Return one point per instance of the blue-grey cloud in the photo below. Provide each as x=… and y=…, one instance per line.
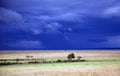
x=112, y=41
x=65, y=24
x=9, y=17
x=112, y=11
x=42, y=28
x=24, y=44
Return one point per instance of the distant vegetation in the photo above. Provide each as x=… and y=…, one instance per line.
x=31, y=60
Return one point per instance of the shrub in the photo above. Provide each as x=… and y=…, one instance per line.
x=83, y=60
x=33, y=62
x=59, y=60
x=71, y=56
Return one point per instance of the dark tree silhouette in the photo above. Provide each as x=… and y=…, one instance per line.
x=71, y=56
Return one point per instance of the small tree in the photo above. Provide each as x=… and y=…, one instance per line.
x=79, y=57
x=71, y=56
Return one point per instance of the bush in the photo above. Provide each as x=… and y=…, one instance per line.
x=33, y=62
x=83, y=60
x=71, y=56
x=59, y=60
x=65, y=61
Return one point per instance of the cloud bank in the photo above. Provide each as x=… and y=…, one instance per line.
x=9, y=17
x=62, y=24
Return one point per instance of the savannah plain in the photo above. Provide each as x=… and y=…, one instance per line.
x=97, y=63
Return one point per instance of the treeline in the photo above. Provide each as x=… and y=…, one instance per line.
x=32, y=60
x=19, y=59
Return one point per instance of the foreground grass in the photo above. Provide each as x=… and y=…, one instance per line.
x=62, y=64
x=55, y=59
x=111, y=59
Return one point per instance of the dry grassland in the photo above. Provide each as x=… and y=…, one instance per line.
x=109, y=70
x=103, y=70
x=58, y=54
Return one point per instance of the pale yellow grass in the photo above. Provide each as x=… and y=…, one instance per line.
x=58, y=54
x=108, y=70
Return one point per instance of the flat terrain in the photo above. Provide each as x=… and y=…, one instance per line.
x=108, y=70
x=59, y=54
x=107, y=63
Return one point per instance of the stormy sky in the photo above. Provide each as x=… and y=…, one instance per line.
x=59, y=24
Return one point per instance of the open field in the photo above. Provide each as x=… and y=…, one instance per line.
x=108, y=70
x=105, y=63
x=59, y=54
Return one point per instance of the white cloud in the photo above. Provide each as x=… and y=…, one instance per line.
x=9, y=17
x=52, y=28
x=112, y=11
x=69, y=17
x=62, y=17
x=42, y=28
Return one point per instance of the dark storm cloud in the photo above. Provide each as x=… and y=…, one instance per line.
x=61, y=24
x=9, y=17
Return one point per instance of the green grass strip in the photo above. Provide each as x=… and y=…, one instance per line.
x=62, y=64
